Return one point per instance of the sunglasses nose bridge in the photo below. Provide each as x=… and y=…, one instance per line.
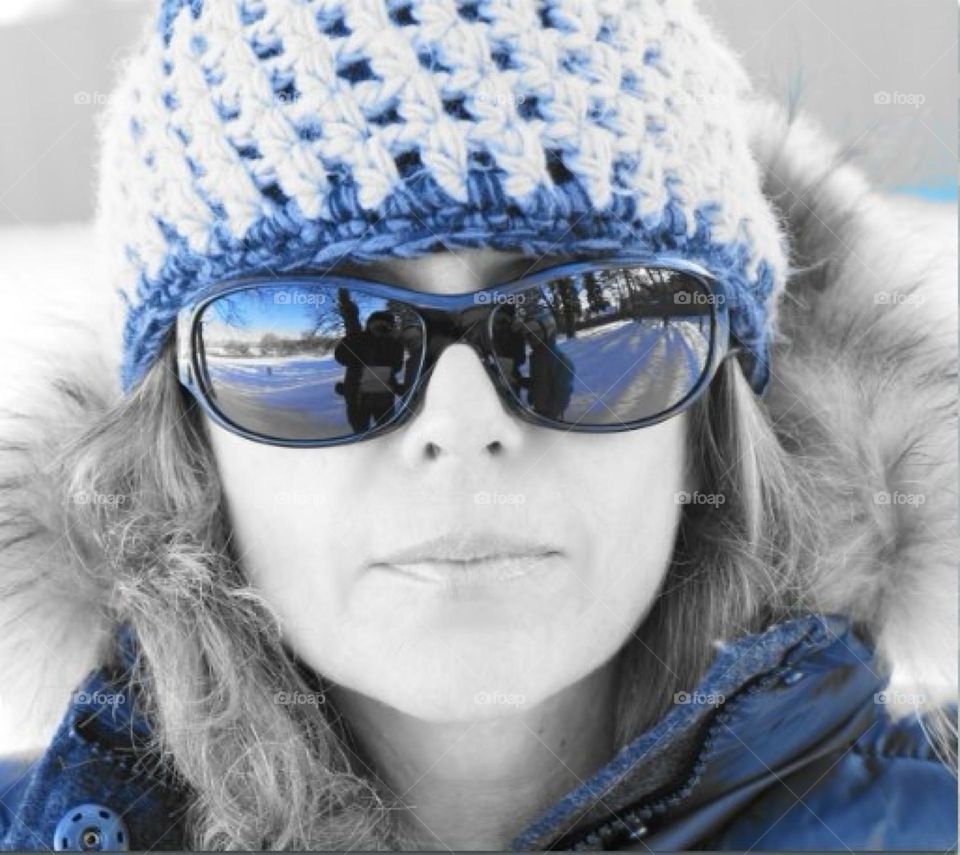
x=467, y=327
x=452, y=407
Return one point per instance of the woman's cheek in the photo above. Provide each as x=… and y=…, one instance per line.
x=294, y=526
x=630, y=497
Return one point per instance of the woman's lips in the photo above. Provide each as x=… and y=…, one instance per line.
x=494, y=569
x=465, y=559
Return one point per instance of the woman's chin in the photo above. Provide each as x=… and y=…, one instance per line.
x=459, y=679
x=488, y=607
x=451, y=660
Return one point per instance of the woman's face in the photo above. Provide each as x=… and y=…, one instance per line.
x=337, y=539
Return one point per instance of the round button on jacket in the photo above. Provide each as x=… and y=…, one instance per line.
x=793, y=677
x=90, y=828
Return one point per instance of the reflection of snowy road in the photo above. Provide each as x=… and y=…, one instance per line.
x=638, y=368
x=297, y=394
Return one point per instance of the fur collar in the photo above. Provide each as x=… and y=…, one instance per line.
x=863, y=388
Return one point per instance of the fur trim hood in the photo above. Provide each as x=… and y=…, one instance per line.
x=863, y=390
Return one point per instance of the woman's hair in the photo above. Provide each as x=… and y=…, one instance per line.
x=270, y=775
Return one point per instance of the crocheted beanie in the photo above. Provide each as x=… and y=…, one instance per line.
x=270, y=135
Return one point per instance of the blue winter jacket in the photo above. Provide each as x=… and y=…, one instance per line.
x=786, y=744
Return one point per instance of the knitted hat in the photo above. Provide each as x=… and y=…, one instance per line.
x=269, y=135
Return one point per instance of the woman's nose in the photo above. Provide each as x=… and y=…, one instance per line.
x=462, y=417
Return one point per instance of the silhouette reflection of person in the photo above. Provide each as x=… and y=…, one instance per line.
x=509, y=346
x=550, y=383
x=372, y=358
x=411, y=338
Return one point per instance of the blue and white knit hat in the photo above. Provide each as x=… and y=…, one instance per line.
x=271, y=135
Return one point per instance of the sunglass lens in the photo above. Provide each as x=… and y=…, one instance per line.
x=607, y=347
x=308, y=363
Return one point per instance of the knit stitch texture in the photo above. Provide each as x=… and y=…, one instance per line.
x=255, y=136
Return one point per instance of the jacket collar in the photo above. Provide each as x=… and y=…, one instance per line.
x=744, y=721
x=747, y=722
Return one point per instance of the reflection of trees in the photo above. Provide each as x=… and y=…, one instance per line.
x=593, y=286
x=563, y=298
x=327, y=323
x=343, y=319
x=326, y=320
x=323, y=326
x=242, y=312
x=349, y=312
x=602, y=296
x=227, y=310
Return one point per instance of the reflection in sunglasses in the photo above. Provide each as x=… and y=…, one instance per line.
x=605, y=347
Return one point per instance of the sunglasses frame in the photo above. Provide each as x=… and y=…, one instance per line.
x=191, y=376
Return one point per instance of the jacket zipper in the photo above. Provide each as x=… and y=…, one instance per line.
x=631, y=825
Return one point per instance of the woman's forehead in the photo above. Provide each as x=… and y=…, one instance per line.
x=451, y=271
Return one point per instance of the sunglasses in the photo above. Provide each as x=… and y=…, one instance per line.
x=315, y=360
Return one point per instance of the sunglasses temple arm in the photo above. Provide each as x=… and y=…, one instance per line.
x=740, y=352
x=184, y=366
